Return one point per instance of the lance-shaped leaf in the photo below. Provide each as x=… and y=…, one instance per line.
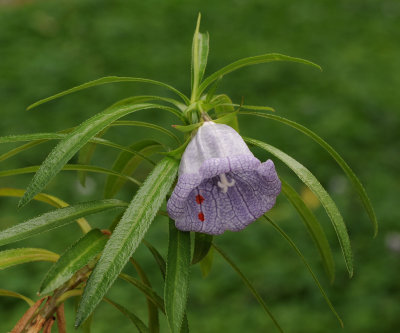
x=177, y=277
x=200, y=48
x=74, y=141
x=56, y=218
x=313, y=227
x=127, y=163
x=250, y=61
x=314, y=185
x=127, y=235
x=157, y=128
x=75, y=257
x=8, y=293
x=134, y=318
x=293, y=245
x=339, y=160
x=154, y=324
x=47, y=198
x=249, y=285
x=202, y=244
x=105, y=80
x=163, y=269
x=224, y=108
x=14, y=257
x=69, y=167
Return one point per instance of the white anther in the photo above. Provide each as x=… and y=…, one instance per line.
x=224, y=183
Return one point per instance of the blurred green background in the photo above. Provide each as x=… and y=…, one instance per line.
x=49, y=46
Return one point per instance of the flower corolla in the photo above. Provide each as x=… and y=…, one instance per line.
x=221, y=185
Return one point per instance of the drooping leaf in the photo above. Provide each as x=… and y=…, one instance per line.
x=20, y=149
x=339, y=160
x=69, y=167
x=330, y=207
x=154, y=325
x=42, y=137
x=293, y=245
x=56, y=218
x=47, y=198
x=158, y=258
x=148, y=125
x=146, y=290
x=202, y=244
x=74, y=141
x=75, y=257
x=313, y=227
x=105, y=80
x=127, y=163
x=249, y=285
x=177, y=277
x=250, y=61
x=127, y=235
x=206, y=263
x=85, y=156
x=140, y=325
x=163, y=268
x=8, y=293
x=200, y=47
x=14, y=257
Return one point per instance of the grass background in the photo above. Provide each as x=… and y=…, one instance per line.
x=48, y=46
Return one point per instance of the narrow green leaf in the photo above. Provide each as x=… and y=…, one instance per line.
x=14, y=257
x=75, y=257
x=20, y=149
x=128, y=235
x=187, y=128
x=47, y=198
x=224, y=109
x=313, y=227
x=249, y=107
x=59, y=136
x=130, y=315
x=85, y=156
x=146, y=290
x=339, y=160
x=126, y=164
x=202, y=244
x=248, y=285
x=250, y=61
x=227, y=118
x=55, y=219
x=330, y=207
x=147, y=125
x=163, y=268
x=69, y=167
x=293, y=245
x=177, y=277
x=178, y=152
x=158, y=258
x=206, y=263
x=105, y=80
x=74, y=141
x=154, y=325
x=7, y=293
x=200, y=47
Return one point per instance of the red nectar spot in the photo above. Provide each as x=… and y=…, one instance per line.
x=201, y=217
x=199, y=199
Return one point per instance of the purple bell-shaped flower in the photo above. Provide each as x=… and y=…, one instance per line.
x=221, y=185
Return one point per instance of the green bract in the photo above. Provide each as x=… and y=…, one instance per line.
x=89, y=267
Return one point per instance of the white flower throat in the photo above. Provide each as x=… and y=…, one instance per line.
x=224, y=183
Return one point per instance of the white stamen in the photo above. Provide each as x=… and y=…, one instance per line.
x=224, y=183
